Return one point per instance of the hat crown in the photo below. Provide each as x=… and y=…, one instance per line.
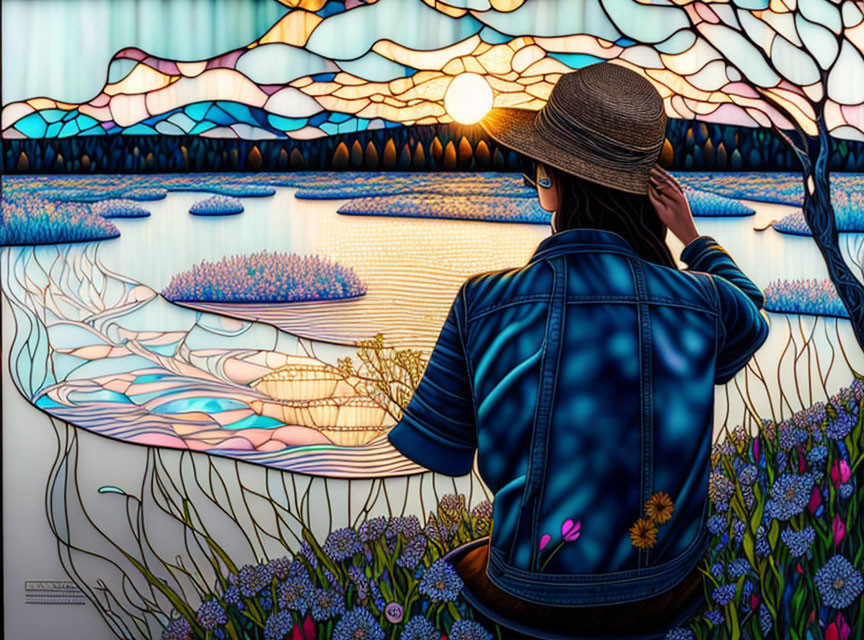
x=603, y=123
x=612, y=101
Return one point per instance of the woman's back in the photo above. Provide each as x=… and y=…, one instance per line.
x=585, y=380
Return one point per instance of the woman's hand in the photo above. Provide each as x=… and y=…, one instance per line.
x=671, y=205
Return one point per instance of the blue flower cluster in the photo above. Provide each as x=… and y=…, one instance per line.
x=342, y=544
x=440, y=582
x=278, y=626
x=839, y=583
x=419, y=628
x=789, y=495
x=358, y=624
x=211, y=615
x=798, y=542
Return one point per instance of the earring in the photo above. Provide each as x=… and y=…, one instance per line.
x=543, y=179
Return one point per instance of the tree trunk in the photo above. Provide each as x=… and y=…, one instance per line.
x=819, y=215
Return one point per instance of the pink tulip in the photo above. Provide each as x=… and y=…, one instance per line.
x=838, y=529
x=754, y=601
x=544, y=541
x=831, y=632
x=801, y=463
x=843, y=628
x=840, y=472
x=306, y=632
x=815, y=500
x=571, y=531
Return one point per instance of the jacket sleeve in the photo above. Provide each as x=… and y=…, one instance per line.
x=438, y=429
x=743, y=322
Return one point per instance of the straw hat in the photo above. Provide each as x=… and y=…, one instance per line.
x=603, y=123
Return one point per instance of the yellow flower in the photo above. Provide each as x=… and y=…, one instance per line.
x=643, y=534
x=659, y=507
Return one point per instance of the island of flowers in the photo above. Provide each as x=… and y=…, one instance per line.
x=811, y=296
x=118, y=208
x=361, y=185
x=848, y=210
x=265, y=277
x=425, y=205
x=216, y=206
x=778, y=188
x=706, y=204
x=29, y=220
x=146, y=193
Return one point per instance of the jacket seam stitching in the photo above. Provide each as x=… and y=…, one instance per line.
x=659, y=301
x=526, y=489
x=469, y=368
x=560, y=309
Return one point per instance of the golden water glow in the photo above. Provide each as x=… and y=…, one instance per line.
x=468, y=98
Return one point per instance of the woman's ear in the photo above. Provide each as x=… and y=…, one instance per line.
x=548, y=188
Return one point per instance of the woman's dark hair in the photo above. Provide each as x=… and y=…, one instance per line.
x=587, y=204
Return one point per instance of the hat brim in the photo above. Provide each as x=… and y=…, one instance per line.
x=515, y=129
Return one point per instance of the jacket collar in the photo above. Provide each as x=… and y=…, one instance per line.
x=574, y=240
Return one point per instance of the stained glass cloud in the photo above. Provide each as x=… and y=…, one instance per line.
x=325, y=68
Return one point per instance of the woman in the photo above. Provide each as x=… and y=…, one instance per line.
x=584, y=380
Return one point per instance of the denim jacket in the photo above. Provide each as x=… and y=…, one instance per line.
x=584, y=380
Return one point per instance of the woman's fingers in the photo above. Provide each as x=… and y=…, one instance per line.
x=665, y=179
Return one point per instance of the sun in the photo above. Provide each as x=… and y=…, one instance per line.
x=468, y=98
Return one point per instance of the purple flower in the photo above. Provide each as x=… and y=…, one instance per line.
x=394, y=612
x=373, y=529
x=253, y=579
x=679, y=633
x=309, y=554
x=748, y=474
x=739, y=528
x=358, y=624
x=278, y=626
x=738, y=567
x=280, y=567
x=419, y=628
x=838, y=582
x=468, y=630
x=720, y=488
x=231, y=595
x=791, y=436
x=723, y=594
x=789, y=496
x=412, y=552
x=440, y=582
x=798, y=542
x=840, y=427
x=571, y=531
x=211, y=614
x=326, y=604
x=342, y=544
x=406, y=526
x=715, y=617
x=765, y=619
x=716, y=525
x=177, y=629
x=817, y=455
x=295, y=593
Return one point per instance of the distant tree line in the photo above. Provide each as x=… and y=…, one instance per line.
x=690, y=145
